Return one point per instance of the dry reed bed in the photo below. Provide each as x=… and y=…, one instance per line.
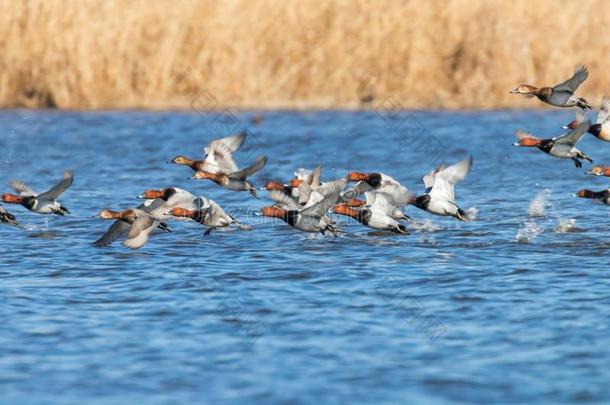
x=295, y=53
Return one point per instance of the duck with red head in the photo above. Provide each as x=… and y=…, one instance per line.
x=161, y=201
x=235, y=180
x=209, y=213
x=313, y=218
x=218, y=155
x=561, y=95
x=439, y=198
x=374, y=216
x=600, y=171
x=137, y=224
x=564, y=146
x=603, y=196
x=601, y=128
x=397, y=195
x=40, y=203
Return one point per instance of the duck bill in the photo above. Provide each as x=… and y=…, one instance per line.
x=11, y=198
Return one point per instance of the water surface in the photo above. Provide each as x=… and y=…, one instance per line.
x=511, y=307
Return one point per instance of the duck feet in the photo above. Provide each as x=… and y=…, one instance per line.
x=577, y=163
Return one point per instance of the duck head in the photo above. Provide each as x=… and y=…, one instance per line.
x=525, y=89
x=183, y=213
x=344, y=209
x=528, y=142
x=12, y=198
x=274, y=185
x=372, y=179
x=295, y=183
x=599, y=171
x=181, y=160
x=164, y=194
x=584, y=193
x=108, y=214
x=273, y=212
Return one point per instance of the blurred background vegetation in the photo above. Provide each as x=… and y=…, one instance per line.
x=296, y=53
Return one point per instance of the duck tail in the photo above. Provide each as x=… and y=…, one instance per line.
x=164, y=227
x=462, y=215
x=584, y=104
x=8, y=218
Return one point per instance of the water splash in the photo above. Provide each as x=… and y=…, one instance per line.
x=539, y=205
x=528, y=232
x=472, y=213
x=425, y=226
x=566, y=225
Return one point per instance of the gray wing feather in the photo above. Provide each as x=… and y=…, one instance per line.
x=570, y=85
x=261, y=161
x=59, y=188
x=116, y=230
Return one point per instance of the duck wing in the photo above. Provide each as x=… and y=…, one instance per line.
x=140, y=230
x=377, y=200
x=285, y=201
x=219, y=159
x=580, y=75
x=604, y=112
x=261, y=161
x=582, y=126
x=429, y=178
x=231, y=143
x=331, y=191
x=54, y=193
x=445, y=180
x=22, y=189
x=116, y=230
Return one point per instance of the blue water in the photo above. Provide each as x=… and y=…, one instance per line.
x=508, y=308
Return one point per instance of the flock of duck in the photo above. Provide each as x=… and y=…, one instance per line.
x=376, y=200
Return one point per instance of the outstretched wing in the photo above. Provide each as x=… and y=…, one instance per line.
x=429, y=178
x=231, y=143
x=261, y=161
x=116, y=230
x=54, y=193
x=284, y=201
x=570, y=85
x=582, y=126
x=445, y=180
x=331, y=191
x=22, y=189
x=219, y=159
